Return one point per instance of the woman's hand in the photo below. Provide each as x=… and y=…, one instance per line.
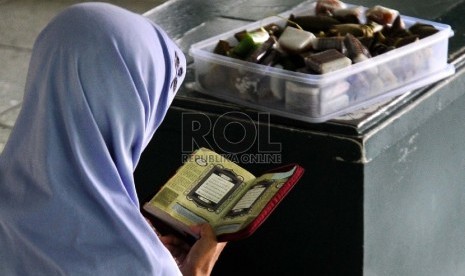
x=201, y=257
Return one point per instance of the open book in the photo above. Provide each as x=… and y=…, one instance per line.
x=208, y=188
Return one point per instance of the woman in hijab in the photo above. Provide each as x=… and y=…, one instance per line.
x=99, y=84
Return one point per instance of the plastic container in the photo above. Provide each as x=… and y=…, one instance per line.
x=318, y=98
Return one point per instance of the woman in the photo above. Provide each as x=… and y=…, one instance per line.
x=99, y=84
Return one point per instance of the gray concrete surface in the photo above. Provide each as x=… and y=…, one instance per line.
x=20, y=23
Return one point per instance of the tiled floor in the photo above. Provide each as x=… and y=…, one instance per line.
x=20, y=23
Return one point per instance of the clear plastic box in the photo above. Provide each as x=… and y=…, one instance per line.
x=318, y=98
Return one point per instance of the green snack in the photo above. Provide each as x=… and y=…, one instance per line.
x=249, y=41
x=244, y=47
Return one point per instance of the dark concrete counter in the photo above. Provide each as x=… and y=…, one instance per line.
x=384, y=190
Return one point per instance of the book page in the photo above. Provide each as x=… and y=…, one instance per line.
x=252, y=201
x=202, y=190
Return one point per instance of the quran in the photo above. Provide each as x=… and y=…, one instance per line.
x=209, y=188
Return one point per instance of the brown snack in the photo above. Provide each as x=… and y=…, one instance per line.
x=295, y=40
x=381, y=15
x=222, y=48
x=327, y=7
x=423, y=30
x=355, y=49
x=327, y=61
x=406, y=40
x=261, y=51
x=349, y=15
x=271, y=58
x=313, y=23
x=397, y=29
x=326, y=43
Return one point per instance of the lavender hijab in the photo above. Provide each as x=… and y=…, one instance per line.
x=100, y=82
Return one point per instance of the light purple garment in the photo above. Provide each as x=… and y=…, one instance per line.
x=100, y=82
